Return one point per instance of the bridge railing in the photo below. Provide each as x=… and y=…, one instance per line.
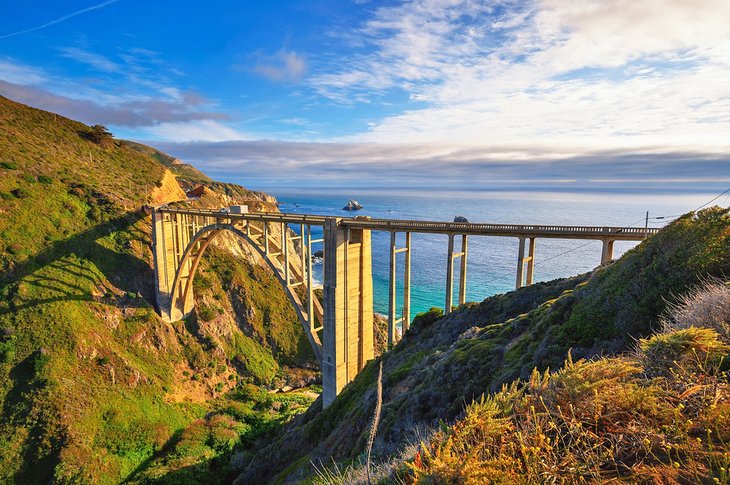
x=634, y=233
x=496, y=229
x=253, y=216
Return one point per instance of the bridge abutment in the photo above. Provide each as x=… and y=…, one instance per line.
x=167, y=249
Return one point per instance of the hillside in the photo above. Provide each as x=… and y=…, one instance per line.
x=445, y=363
x=179, y=168
x=94, y=387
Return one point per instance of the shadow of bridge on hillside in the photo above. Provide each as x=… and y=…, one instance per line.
x=76, y=268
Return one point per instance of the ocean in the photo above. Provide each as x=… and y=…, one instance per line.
x=492, y=261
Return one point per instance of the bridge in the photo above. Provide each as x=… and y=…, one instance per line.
x=340, y=326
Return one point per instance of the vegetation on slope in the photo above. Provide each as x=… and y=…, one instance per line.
x=182, y=170
x=661, y=415
x=443, y=363
x=94, y=387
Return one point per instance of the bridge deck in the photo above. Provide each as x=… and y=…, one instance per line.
x=435, y=227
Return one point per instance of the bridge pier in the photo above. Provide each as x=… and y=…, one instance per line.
x=449, y=304
x=347, y=342
x=607, y=251
x=405, y=318
x=522, y=260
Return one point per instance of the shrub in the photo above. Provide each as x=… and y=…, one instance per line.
x=9, y=165
x=40, y=361
x=707, y=305
x=426, y=319
x=688, y=350
x=20, y=193
x=45, y=179
x=206, y=313
x=15, y=249
x=7, y=348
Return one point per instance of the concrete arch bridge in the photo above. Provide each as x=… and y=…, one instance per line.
x=340, y=327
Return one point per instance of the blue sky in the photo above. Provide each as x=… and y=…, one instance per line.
x=461, y=93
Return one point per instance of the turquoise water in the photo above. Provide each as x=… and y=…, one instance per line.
x=492, y=261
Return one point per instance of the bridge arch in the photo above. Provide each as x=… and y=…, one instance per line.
x=182, y=302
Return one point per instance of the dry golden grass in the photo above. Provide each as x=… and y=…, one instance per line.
x=596, y=422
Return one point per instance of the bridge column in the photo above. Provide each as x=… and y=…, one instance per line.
x=531, y=262
x=520, y=264
x=407, y=287
x=462, y=270
x=348, y=306
x=392, y=299
x=449, y=277
x=607, y=251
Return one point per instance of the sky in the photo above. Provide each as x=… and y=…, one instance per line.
x=430, y=93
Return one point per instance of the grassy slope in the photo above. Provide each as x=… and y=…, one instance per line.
x=445, y=362
x=93, y=386
x=659, y=415
x=183, y=170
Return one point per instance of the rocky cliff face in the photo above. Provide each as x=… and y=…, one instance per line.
x=168, y=191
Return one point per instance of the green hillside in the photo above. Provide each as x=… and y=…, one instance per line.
x=94, y=388
x=445, y=363
x=182, y=170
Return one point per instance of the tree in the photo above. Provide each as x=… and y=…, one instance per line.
x=101, y=136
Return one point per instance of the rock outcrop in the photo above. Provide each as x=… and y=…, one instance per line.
x=352, y=205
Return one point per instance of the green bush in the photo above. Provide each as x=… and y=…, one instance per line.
x=206, y=313
x=45, y=179
x=41, y=361
x=20, y=193
x=7, y=348
x=9, y=165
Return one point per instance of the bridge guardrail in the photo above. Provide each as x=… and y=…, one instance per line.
x=405, y=225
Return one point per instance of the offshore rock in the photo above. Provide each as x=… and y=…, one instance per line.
x=352, y=205
x=460, y=219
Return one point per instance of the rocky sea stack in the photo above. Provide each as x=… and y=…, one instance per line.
x=352, y=205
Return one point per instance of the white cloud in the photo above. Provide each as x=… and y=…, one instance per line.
x=92, y=59
x=13, y=72
x=573, y=75
x=398, y=164
x=194, y=131
x=283, y=66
